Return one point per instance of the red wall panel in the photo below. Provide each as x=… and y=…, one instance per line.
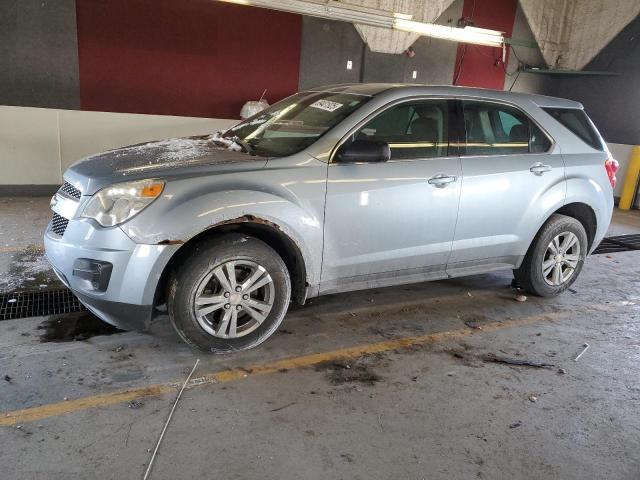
x=192, y=57
x=478, y=66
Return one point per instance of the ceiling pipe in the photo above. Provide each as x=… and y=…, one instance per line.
x=333, y=10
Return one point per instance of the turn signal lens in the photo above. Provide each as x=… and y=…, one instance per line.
x=152, y=191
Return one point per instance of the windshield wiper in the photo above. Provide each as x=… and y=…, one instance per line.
x=245, y=145
x=233, y=143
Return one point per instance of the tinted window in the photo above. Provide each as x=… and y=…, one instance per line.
x=578, y=122
x=539, y=143
x=295, y=122
x=494, y=129
x=412, y=130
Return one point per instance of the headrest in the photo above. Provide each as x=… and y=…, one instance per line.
x=424, y=128
x=519, y=133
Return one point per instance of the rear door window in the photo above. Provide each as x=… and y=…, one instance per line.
x=495, y=129
x=578, y=122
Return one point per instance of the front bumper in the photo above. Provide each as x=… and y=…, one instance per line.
x=127, y=299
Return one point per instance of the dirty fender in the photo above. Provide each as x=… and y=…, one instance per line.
x=183, y=213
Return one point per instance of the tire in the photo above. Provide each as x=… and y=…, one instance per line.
x=202, y=301
x=538, y=279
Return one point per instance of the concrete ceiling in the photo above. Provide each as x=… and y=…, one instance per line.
x=390, y=41
x=570, y=33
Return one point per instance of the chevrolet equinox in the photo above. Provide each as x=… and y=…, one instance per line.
x=333, y=189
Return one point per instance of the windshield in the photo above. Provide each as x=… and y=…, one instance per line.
x=294, y=123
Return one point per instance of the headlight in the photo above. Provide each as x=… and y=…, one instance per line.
x=118, y=203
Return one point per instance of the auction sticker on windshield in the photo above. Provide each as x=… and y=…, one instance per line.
x=327, y=105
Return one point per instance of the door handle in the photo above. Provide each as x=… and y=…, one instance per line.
x=539, y=168
x=441, y=180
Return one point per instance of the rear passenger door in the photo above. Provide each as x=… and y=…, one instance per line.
x=511, y=169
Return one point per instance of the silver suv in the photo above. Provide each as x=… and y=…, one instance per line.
x=335, y=189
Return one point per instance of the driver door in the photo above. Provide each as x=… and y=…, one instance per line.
x=393, y=222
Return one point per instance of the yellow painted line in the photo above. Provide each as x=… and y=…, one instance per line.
x=51, y=410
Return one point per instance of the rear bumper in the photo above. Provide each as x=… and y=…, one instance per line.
x=126, y=301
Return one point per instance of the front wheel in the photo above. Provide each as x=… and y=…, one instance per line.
x=230, y=294
x=555, y=258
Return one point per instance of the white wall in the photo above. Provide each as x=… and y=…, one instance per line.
x=37, y=144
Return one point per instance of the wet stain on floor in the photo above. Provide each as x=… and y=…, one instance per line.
x=74, y=327
x=358, y=371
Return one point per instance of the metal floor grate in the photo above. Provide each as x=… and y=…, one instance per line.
x=620, y=243
x=38, y=304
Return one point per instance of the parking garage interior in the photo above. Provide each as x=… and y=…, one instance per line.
x=457, y=378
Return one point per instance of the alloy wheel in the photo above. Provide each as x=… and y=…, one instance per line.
x=234, y=299
x=561, y=259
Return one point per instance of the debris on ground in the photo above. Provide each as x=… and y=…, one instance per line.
x=562, y=371
x=118, y=348
x=584, y=349
x=466, y=358
x=135, y=404
x=520, y=298
x=7, y=378
x=473, y=325
x=283, y=407
x=166, y=425
x=340, y=372
x=533, y=398
x=515, y=424
x=348, y=457
x=473, y=321
x=491, y=357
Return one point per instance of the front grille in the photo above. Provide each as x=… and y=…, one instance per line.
x=59, y=224
x=38, y=304
x=70, y=190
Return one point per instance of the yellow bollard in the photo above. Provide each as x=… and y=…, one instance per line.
x=630, y=180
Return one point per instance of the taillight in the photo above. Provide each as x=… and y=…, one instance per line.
x=611, y=166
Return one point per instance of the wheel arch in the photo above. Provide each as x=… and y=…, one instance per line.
x=584, y=214
x=264, y=230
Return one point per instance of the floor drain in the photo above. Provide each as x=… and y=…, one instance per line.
x=620, y=243
x=38, y=304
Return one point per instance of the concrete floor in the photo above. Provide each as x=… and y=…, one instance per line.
x=418, y=396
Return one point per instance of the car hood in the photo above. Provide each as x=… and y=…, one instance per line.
x=166, y=159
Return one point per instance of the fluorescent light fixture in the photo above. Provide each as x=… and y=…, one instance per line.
x=477, y=36
x=334, y=10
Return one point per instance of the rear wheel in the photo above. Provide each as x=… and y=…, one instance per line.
x=555, y=258
x=230, y=294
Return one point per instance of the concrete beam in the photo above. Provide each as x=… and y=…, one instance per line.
x=571, y=33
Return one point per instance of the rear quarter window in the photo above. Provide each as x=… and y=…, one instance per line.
x=578, y=122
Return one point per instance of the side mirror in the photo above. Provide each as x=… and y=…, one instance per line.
x=367, y=151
